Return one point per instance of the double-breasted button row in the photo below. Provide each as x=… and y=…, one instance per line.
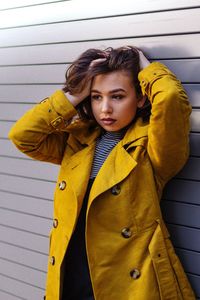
x=135, y=274
x=116, y=190
x=55, y=223
x=62, y=185
x=126, y=232
x=52, y=260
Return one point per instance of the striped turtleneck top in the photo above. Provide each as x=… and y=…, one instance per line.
x=105, y=143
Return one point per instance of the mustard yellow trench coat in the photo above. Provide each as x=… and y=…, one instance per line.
x=129, y=251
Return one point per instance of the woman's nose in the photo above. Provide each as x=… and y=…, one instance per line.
x=105, y=106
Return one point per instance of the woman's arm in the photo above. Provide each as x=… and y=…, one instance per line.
x=168, y=142
x=40, y=133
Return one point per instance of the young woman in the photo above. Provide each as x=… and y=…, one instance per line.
x=109, y=241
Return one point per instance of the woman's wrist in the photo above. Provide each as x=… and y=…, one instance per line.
x=144, y=62
x=74, y=99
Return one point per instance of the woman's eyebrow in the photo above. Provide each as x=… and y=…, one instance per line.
x=117, y=90
x=112, y=91
x=95, y=91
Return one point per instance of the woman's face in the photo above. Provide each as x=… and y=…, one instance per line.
x=114, y=101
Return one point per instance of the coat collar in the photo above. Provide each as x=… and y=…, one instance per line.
x=86, y=132
x=136, y=131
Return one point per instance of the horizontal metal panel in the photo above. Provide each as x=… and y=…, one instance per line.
x=190, y=260
x=24, y=257
x=18, y=3
x=185, y=237
x=191, y=170
x=183, y=191
x=195, y=282
x=13, y=112
x=70, y=10
x=22, y=221
x=29, y=205
x=26, y=93
x=195, y=144
x=8, y=295
x=29, y=168
x=193, y=91
x=23, y=273
x=5, y=128
x=27, y=240
x=22, y=291
x=187, y=70
x=7, y=149
x=181, y=213
x=48, y=74
x=31, y=187
x=117, y=27
x=195, y=120
x=155, y=48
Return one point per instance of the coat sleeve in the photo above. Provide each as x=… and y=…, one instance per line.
x=40, y=133
x=168, y=134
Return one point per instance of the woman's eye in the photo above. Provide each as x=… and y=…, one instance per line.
x=117, y=97
x=95, y=97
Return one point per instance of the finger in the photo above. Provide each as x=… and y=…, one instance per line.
x=96, y=61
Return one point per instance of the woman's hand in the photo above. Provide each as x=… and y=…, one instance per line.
x=78, y=98
x=144, y=62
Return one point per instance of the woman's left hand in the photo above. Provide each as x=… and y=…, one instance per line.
x=144, y=62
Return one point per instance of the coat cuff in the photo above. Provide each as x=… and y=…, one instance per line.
x=149, y=74
x=61, y=109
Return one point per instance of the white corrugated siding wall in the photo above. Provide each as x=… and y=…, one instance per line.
x=38, y=39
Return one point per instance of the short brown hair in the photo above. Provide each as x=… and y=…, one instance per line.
x=123, y=58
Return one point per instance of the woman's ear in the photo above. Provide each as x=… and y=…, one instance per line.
x=141, y=101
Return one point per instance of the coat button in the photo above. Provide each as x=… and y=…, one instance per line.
x=52, y=260
x=57, y=122
x=62, y=185
x=116, y=190
x=135, y=273
x=126, y=233
x=55, y=223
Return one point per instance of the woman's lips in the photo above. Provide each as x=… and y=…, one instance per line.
x=108, y=121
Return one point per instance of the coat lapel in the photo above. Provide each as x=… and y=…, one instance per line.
x=119, y=163
x=117, y=166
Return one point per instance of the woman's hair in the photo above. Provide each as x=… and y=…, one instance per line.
x=81, y=71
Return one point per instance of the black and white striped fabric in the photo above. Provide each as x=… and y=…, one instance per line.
x=104, y=145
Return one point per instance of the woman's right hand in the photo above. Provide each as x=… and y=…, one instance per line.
x=78, y=98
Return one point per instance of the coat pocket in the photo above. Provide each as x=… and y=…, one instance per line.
x=182, y=280
x=162, y=267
